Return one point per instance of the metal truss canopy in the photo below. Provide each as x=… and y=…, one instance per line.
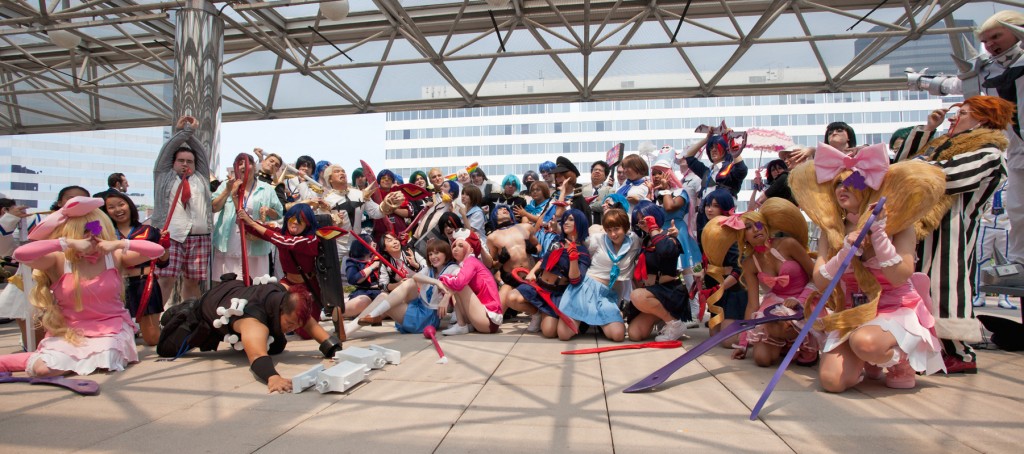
x=284, y=59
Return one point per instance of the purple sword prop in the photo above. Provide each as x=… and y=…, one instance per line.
x=659, y=376
x=817, y=311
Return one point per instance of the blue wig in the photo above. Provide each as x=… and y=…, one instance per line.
x=717, y=141
x=388, y=173
x=725, y=201
x=547, y=166
x=305, y=214
x=619, y=200
x=357, y=250
x=494, y=213
x=513, y=180
x=319, y=169
x=643, y=209
x=582, y=224
x=453, y=188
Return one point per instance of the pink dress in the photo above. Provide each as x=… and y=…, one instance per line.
x=903, y=313
x=105, y=328
x=479, y=279
x=791, y=282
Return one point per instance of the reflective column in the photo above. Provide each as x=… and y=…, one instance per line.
x=198, y=57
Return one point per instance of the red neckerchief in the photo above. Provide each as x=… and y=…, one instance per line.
x=553, y=258
x=640, y=270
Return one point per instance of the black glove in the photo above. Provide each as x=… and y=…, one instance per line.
x=330, y=346
x=504, y=256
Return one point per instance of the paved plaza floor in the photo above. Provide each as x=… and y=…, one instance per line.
x=511, y=392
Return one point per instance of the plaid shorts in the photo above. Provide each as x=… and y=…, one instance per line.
x=191, y=257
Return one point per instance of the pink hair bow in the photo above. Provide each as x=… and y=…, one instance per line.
x=869, y=165
x=733, y=220
x=76, y=207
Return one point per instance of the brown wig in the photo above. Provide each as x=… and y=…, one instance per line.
x=436, y=245
x=615, y=218
x=542, y=185
x=637, y=164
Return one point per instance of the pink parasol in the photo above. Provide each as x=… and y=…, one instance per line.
x=768, y=140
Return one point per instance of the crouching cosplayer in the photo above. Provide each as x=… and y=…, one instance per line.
x=254, y=319
x=879, y=320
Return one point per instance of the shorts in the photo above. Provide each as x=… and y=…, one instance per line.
x=507, y=278
x=190, y=259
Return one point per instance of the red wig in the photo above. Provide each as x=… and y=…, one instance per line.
x=992, y=111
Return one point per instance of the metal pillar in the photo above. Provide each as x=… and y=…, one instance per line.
x=198, y=76
x=198, y=72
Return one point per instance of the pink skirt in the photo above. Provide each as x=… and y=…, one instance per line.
x=113, y=352
x=760, y=334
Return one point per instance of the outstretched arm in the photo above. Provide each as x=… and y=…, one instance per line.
x=254, y=339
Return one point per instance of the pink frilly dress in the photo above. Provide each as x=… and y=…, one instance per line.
x=903, y=313
x=105, y=329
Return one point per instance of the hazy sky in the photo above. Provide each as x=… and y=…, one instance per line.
x=343, y=139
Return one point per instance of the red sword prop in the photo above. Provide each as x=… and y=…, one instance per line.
x=241, y=224
x=664, y=344
x=148, y=289
x=546, y=296
x=372, y=250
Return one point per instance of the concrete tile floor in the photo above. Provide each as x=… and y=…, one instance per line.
x=511, y=392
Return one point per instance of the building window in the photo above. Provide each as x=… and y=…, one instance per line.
x=15, y=186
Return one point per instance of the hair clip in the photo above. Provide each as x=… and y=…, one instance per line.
x=94, y=227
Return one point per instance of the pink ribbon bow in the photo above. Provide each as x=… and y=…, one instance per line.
x=733, y=220
x=870, y=162
x=772, y=281
x=76, y=207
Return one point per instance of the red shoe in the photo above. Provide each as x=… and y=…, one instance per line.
x=955, y=365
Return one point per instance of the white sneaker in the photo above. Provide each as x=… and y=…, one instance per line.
x=456, y=330
x=534, y=323
x=673, y=330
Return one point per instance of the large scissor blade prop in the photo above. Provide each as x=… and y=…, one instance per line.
x=80, y=386
x=378, y=195
x=659, y=376
x=405, y=236
x=663, y=344
x=816, y=312
x=371, y=178
x=546, y=296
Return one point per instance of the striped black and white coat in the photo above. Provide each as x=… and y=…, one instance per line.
x=946, y=255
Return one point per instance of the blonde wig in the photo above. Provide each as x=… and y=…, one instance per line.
x=52, y=318
x=716, y=240
x=908, y=186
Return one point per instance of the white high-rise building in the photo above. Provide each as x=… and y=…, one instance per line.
x=41, y=164
x=514, y=139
